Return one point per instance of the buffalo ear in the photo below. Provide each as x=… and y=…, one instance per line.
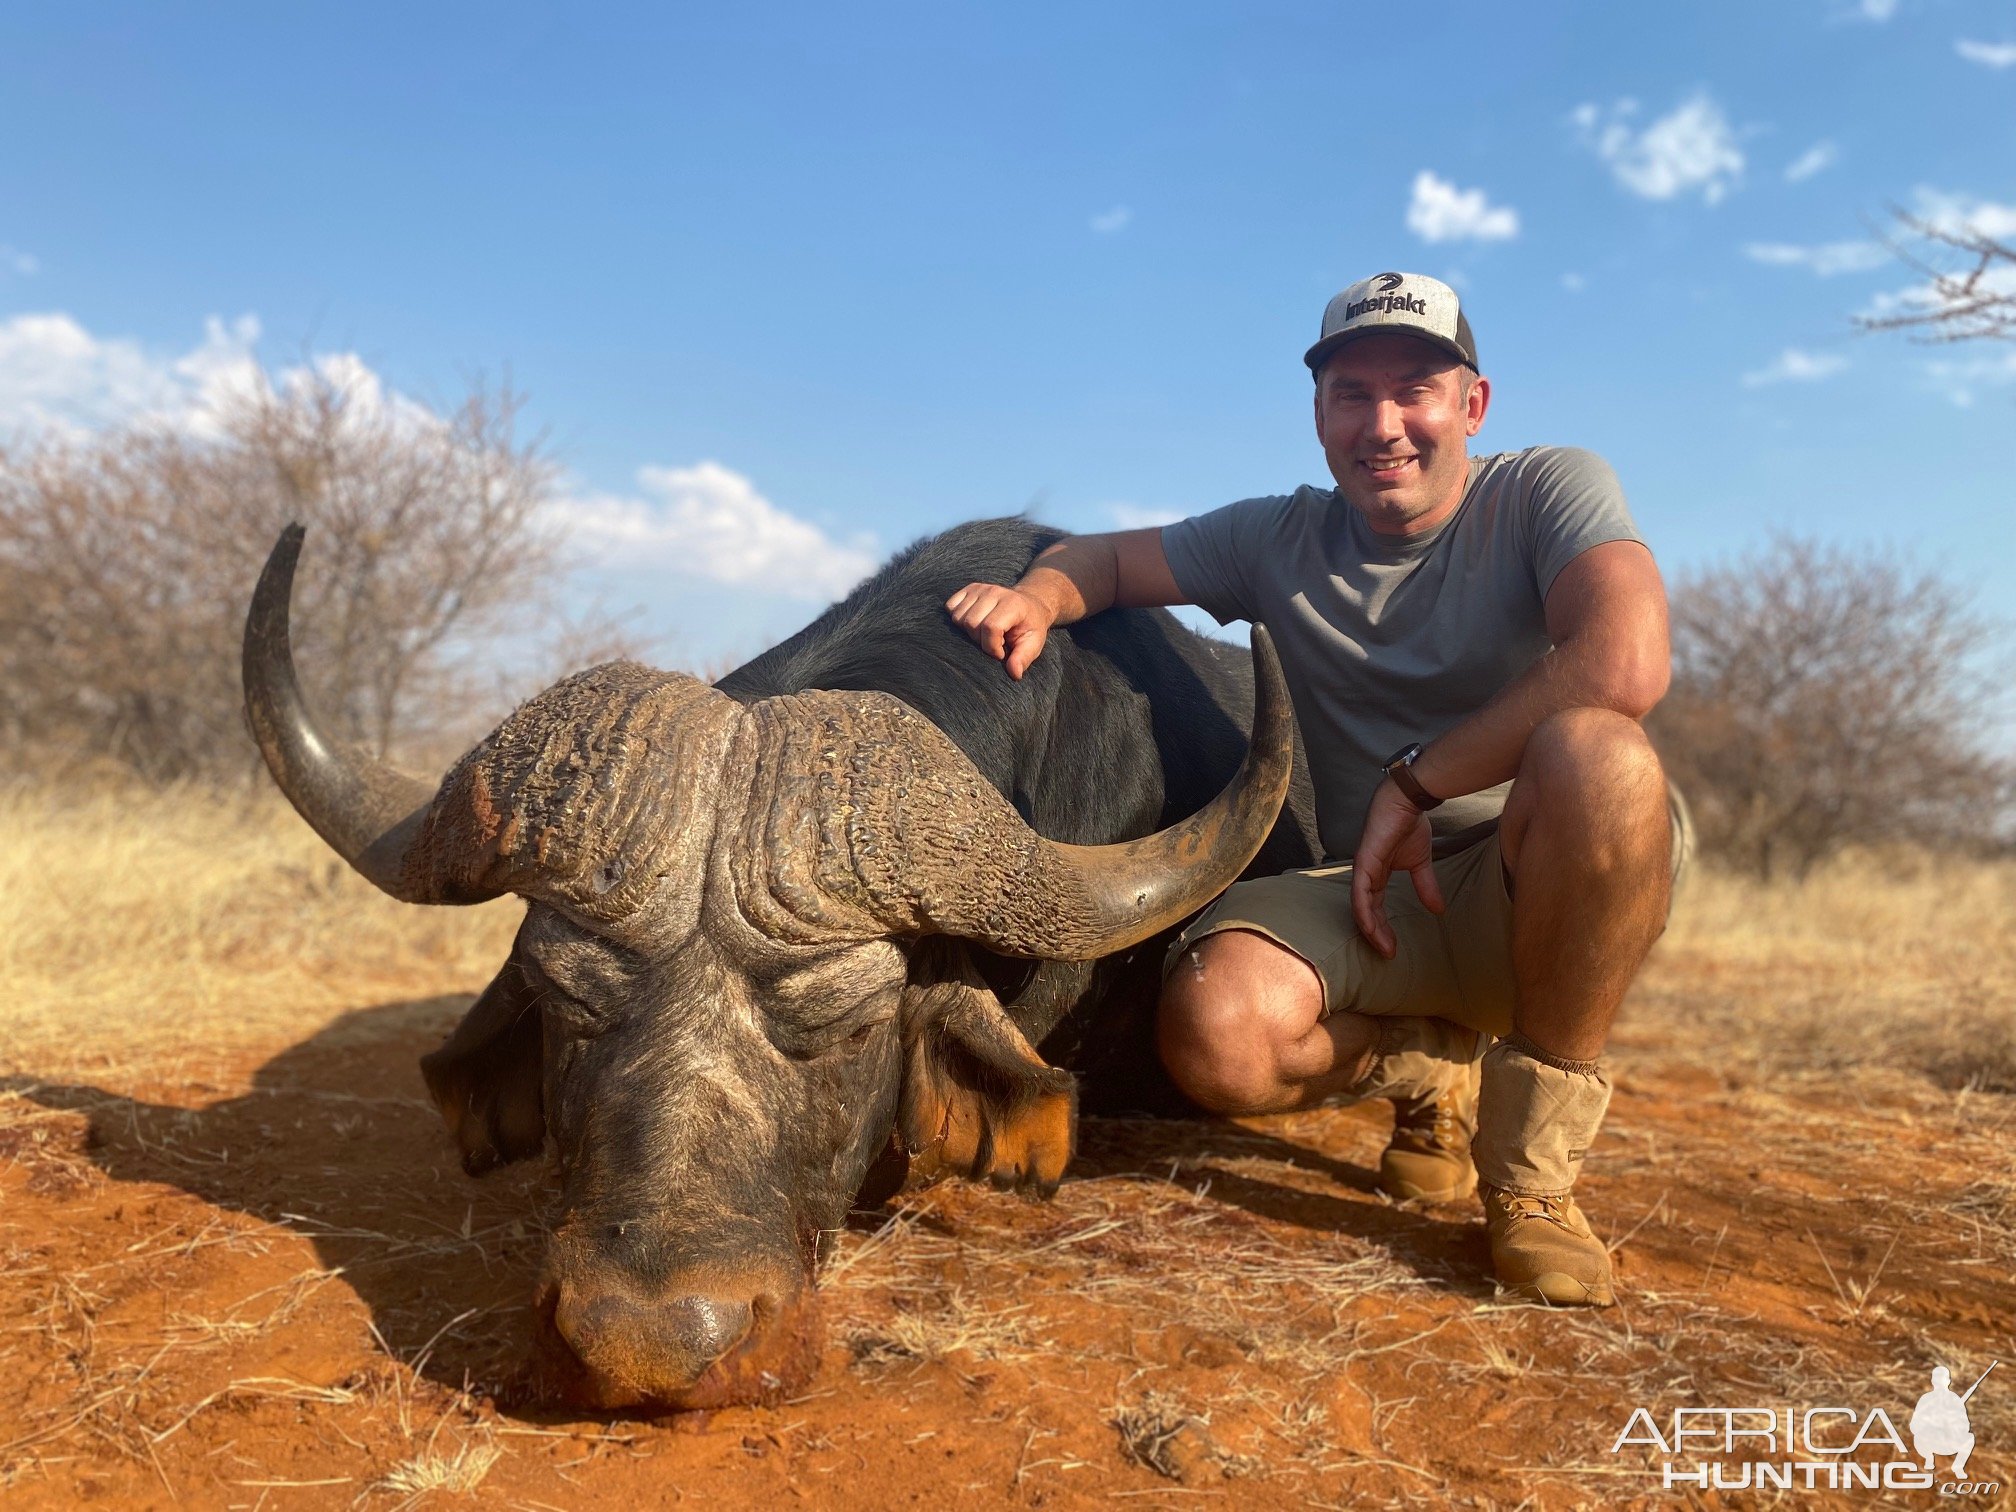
x=487, y=1079
x=977, y=1100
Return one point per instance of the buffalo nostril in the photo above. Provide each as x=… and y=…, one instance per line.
x=675, y=1337
x=702, y=1328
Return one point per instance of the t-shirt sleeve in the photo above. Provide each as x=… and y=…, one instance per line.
x=1574, y=501
x=1211, y=557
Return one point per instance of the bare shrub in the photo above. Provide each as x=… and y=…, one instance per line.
x=127, y=559
x=1970, y=288
x=1825, y=696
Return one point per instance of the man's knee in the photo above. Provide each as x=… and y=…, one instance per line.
x=1595, y=772
x=1582, y=750
x=1232, y=1004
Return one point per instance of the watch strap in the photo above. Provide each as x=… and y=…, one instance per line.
x=1400, y=767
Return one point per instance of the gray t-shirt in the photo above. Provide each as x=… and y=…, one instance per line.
x=1388, y=639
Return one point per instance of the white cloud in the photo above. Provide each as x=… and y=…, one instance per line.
x=706, y=520
x=1877, y=11
x=1109, y=221
x=1827, y=259
x=1988, y=54
x=1815, y=159
x=1795, y=366
x=1958, y=379
x=20, y=264
x=709, y=521
x=1140, y=517
x=1964, y=214
x=1441, y=212
x=1574, y=283
x=54, y=374
x=1691, y=150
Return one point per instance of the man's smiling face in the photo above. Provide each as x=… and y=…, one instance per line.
x=1393, y=413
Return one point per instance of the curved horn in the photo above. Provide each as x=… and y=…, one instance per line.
x=369, y=813
x=963, y=863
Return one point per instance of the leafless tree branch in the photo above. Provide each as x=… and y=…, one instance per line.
x=126, y=559
x=1970, y=282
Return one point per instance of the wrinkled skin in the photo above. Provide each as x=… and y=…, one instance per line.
x=771, y=1071
x=750, y=977
x=721, y=1063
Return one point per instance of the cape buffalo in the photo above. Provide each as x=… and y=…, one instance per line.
x=865, y=886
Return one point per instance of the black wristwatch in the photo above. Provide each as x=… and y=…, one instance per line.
x=1399, y=766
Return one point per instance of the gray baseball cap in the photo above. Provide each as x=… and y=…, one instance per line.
x=1411, y=304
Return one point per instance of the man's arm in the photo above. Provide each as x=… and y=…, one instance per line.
x=1606, y=614
x=1077, y=577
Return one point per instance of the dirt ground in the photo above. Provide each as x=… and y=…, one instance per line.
x=252, y=1275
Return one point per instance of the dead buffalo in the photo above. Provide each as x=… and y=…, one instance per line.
x=864, y=897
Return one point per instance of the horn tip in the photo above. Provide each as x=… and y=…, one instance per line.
x=1266, y=659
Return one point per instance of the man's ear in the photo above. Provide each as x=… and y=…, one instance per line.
x=487, y=1080
x=977, y=1100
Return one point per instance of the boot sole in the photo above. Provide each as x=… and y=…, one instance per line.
x=1558, y=1290
x=1407, y=1191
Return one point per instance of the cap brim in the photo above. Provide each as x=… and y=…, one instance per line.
x=1321, y=353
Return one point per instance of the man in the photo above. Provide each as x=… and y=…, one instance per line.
x=1470, y=644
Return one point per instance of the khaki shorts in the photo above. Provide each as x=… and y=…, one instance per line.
x=1456, y=965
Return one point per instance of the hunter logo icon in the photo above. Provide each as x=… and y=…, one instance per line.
x=1388, y=282
x=1939, y=1421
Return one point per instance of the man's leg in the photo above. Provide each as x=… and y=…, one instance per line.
x=1242, y=1031
x=1586, y=838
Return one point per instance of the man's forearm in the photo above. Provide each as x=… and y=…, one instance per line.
x=1077, y=577
x=1485, y=749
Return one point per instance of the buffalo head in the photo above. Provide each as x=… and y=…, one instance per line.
x=739, y=973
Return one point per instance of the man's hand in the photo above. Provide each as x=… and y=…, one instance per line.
x=1008, y=624
x=1078, y=576
x=1396, y=837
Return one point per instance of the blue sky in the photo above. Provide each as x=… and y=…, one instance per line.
x=790, y=285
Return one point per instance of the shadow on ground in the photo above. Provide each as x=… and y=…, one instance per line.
x=336, y=1141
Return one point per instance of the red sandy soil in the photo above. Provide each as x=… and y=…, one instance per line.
x=272, y=1288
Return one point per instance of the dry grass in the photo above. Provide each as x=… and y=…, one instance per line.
x=177, y=914
x=941, y=1324
x=139, y=924
x=1205, y=1301
x=458, y=1471
x=1108, y=1254
x=1892, y=958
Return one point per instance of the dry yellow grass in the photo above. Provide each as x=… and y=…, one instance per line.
x=1891, y=959
x=135, y=925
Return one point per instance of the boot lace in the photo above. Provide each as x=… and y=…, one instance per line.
x=1553, y=1210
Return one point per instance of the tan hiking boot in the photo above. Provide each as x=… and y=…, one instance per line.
x=1428, y=1157
x=1542, y=1248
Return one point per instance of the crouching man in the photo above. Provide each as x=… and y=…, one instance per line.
x=1470, y=643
